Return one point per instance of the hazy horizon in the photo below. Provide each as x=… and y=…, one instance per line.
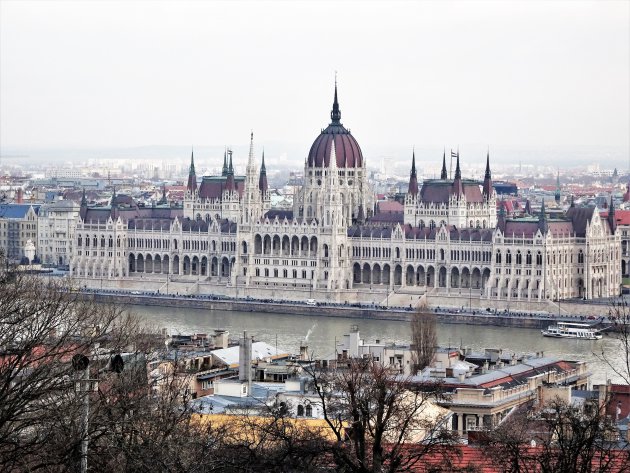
x=511, y=76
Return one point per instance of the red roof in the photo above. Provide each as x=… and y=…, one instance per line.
x=390, y=206
x=621, y=216
x=477, y=459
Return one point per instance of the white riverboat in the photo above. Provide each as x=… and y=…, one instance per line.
x=572, y=330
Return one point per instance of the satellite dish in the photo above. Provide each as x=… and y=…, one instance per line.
x=117, y=364
x=80, y=362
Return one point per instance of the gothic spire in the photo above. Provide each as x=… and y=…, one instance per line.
x=488, y=175
x=487, y=180
x=224, y=171
x=413, y=178
x=444, y=174
x=191, y=186
x=458, y=172
x=612, y=221
x=251, y=149
x=335, y=114
x=542, y=219
x=192, y=162
x=458, y=188
x=332, y=161
x=262, y=180
x=229, y=182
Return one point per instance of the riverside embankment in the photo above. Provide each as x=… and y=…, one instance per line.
x=449, y=316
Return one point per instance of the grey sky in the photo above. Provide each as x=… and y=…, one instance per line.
x=81, y=74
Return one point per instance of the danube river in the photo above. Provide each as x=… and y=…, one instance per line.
x=289, y=331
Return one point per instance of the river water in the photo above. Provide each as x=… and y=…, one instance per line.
x=289, y=331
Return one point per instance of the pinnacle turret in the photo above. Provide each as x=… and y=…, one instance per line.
x=444, y=174
x=487, y=180
x=262, y=180
x=191, y=186
x=413, y=178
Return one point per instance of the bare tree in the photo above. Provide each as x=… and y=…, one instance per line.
x=379, y=422
x=559, y=438
x=42, y=325
x=423, y=338
x=619, y=360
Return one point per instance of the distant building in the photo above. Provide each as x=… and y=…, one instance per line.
x=55, y=233
x=18, y=225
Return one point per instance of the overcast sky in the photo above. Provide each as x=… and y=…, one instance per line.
x=122, y=73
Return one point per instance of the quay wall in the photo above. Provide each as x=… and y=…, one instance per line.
x=535, y=322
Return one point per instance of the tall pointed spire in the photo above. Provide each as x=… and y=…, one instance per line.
x=444, y=174
x=229, y=182
x=335, y=114
x=458, y=171
x=251, y=148
x=413, y=178
x=488, y=175
x=458, y=188
x=542, y=219
x=224, y=171
x=487, y=180
x=192, y=176
x=333, y=157
x=262, y=180
x=612, y=221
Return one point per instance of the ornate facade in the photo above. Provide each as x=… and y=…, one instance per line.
x=451, y=241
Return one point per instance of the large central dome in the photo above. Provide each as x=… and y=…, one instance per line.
x=346, y=147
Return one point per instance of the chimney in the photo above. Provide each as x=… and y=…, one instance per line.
x=304, y=352
x=461, y=377
x=19, y=198
x=245, y=361
x=485, y=367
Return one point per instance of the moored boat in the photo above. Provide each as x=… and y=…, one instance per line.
x=572, y=330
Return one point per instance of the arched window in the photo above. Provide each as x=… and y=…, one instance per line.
x=508, y=257
x=309, y=410
x=528, y=257
x=498, y=257
x=519, y=258
x=539, y=259
x=300, y=410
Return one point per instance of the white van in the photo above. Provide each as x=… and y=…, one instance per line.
x=311, y=302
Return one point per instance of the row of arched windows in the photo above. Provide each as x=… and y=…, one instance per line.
x=93, y=241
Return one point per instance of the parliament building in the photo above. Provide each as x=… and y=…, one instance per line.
x=455, y=238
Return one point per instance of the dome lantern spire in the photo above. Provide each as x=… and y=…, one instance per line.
x=335, y=114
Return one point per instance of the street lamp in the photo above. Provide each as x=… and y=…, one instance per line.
x=81, y=364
